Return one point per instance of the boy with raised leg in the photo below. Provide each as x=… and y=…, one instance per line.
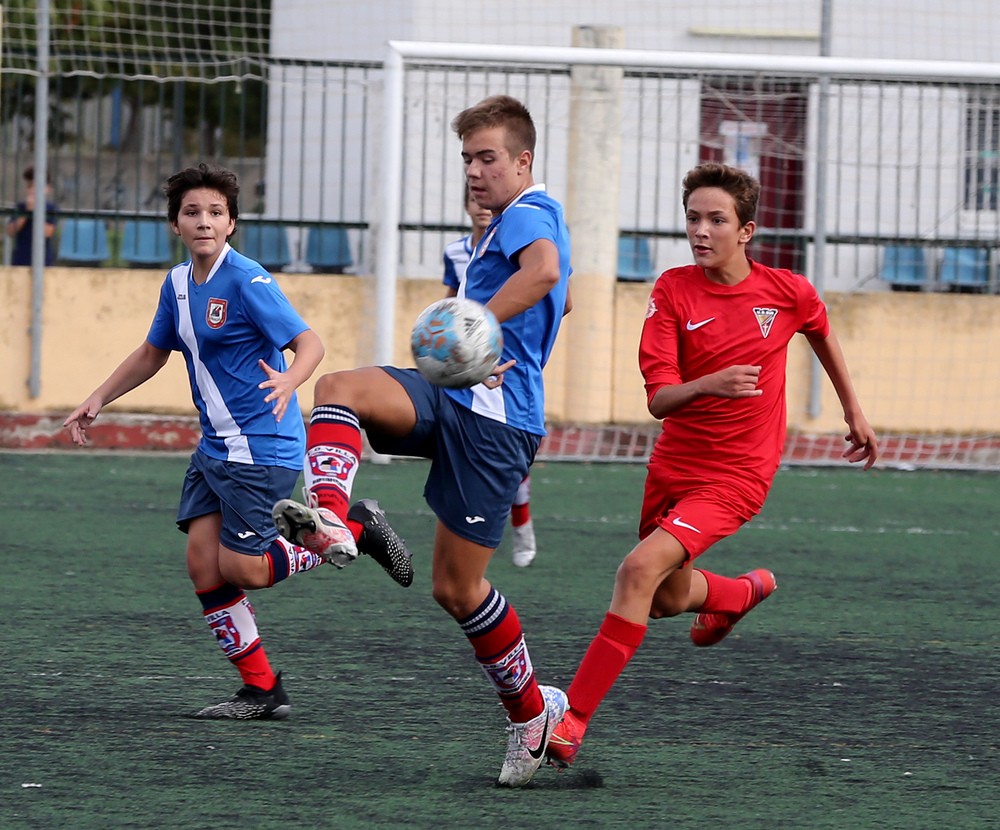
x=481, y=441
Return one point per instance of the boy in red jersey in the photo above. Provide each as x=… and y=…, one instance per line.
x=713, y=355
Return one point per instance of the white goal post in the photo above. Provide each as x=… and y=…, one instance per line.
x=896, y=128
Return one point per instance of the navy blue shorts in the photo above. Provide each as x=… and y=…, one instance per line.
x=243, y=493
x=476, y=463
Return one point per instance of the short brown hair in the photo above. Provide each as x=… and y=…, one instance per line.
x=743, y=187
x=29, y=175
x=499, y=111
x=204, y=175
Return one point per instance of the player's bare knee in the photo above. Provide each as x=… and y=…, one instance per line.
x=247, y=573
x=636, y=573
x=335, y=387
x=453, y=600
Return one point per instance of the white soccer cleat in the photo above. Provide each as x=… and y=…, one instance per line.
x=523, y=552
x=316, y=529
x=526, y=742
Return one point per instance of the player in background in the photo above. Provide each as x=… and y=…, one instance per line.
x=456, y=259
x=482, y=440
x=713, y=356
x=19, y=226
x=231, y=321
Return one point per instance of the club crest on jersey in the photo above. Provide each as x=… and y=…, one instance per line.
x=332, y=463
x=215, y=314
x=765, y=319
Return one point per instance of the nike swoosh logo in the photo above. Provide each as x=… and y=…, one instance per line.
x=537, y=753
x=679, y=523
x=264, y=280
x=473, y=519
x=246, y=534
x=692, y=326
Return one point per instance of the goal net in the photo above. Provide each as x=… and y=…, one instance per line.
x=152, y=40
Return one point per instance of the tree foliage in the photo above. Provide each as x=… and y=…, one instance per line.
x=153, y=37
x=130, y=50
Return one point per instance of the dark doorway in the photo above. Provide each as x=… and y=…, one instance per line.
x=760, y=126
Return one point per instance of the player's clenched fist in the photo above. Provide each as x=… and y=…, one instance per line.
x=734, y=382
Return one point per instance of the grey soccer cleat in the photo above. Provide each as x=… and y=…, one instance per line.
x=251, y=703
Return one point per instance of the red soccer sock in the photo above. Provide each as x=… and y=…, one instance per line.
x=610, y=651
x=725, y=594
x=231, y=619
x=520, y=514
x=520, y=511
x=495, y=633
x=255, y=669
x=333, y=452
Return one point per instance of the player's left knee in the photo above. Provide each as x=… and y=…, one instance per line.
x=453, y=599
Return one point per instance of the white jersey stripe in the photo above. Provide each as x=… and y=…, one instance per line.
x=489, y=403
x=219, y=415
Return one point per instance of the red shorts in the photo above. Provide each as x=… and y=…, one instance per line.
x=696, y=513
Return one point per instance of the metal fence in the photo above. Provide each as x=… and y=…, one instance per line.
x=878, y=175
x=910, y=161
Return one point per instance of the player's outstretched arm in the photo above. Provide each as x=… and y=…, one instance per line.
x=133, y=371
x=861, y=437
x=309, y=351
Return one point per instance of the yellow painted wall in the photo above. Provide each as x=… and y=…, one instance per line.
x=919, y=361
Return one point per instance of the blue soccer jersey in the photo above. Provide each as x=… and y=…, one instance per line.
x=223, y=327
x=456, y=260
x=529, y=336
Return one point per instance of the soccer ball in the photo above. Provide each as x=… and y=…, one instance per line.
x=456, y=343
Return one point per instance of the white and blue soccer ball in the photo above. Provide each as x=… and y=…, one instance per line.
x=456, y=343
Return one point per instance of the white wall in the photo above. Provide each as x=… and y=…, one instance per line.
x=919, y=29
x=911, y=146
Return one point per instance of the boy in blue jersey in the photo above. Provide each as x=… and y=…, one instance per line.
x=230, y=320
x=482, y=440
x=457, y=256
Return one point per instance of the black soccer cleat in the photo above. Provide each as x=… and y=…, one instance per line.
x=381, y=542
x=251, y=703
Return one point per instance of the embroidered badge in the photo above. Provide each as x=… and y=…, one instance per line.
x=215, y=314
x=765, y=319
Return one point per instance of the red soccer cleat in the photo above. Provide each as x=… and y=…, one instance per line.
x=709, y=629
x=565, y=741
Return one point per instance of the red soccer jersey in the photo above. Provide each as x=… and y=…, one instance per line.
x=695, y=327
